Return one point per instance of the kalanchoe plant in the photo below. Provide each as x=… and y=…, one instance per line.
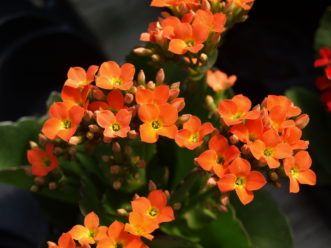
x=120, y=131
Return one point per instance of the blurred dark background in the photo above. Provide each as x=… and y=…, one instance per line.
x=41, y=39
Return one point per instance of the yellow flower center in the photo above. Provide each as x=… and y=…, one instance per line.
x=294, y=172
x=116, y=81
x=220, y=160
x=157, y=124
x=268, y=152
x=66, y=124
x=153, y=212
x=119, y=244
x=47, y=162
x=115, y=126
x=236, y=116
x=251, y=137
x=194, y=137
x=190, y=43
x=240, y=182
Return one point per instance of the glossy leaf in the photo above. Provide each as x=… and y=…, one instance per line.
x=323, y=34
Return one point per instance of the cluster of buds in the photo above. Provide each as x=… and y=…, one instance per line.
x=146, y=216
x=323, y=82
x=256, y=143
x=191, y=30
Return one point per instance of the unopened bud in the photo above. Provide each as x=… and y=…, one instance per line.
x=128, y=98
x=209, y=99
x=89, y=135
x=116, y=147
x=141, y=77
x=178, y=103
x=135, y=197
x=177, y=206
x=151, y=85
x=133, y=134
x=173, y=93
x=166, y=192
x=52, y=185
x=51, y=244
x=75, y=140
x=105, y=158
x=257, y=107
x=34, y=188
x=115, y=169
x=88, y=116
x=225, y=200
x=203, y=57
x=159, y=79
x=98, y=94
x=122, y=212
x=58, y=151
x=151, y=186
x=205, y=5
x=165, y=14
x=142, y=51
x=94, y=128
x=183, y=9
x=33, y=144
x=245, y=149
x=39, y=180
x=128, y=150
x=184, y=118
x=234, y=139
x=42, y=139
x=141, y=164
x=302, y=121
x=133, y=90
x=117, y=185
x=273, y=176
x=175, y=85
x=211, y=182
x=72, y=150
x=107, y=139
x=156, y=58
x=222, y=209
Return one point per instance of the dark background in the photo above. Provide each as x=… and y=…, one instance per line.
x=40, y=40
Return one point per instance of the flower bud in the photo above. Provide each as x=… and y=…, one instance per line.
x=302, y=121
x=94, y=128
x=183, y=9
x=107, y=139
x=141, y=77
x=156, y=58
x=159, y=79
x=203, y=57
x=151, y=85
x=52, y=185
x=75, y=140
x=225, y=200
x=184, y=118
x=33, y=144
x=128, y=98
x=141, y=164
x=58, y=151
x=205, y=5
x=39, y=180
x=89, y=135
x=88, y=116
x=177, y=206
x=116, y=147
x=142, y=51
x=165, y=14
x=122, y=212
x=273, y=175
x=245, y=149
x=42, y=139
x=105, y=158
x=173, y=93
x=178, y=103
x=128, y=150
x=114, y=169
x=222, y=209
x=117, y=185
x=151, y=186
x=233, y=139
x=34, y=188
x=98, y=94
x=211, y=182
x=132, y=134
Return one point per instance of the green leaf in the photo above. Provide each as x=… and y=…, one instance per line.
x=53, y=97
x=323, y=33
x=263, y=221
x=16, y=176
x=318, y=131
x=15, y=139
x=169, y=242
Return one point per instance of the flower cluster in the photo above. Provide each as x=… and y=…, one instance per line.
x=266, y=138
x=323, y=83
x=146, y=216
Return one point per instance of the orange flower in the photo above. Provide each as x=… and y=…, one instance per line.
x=236, y=110
x=63, y=121
x=219, y=155
x=292, y=137
x=297, y=169
x=139, y=225
x=78, y=77
x=115, y=102
x=117, y=237
x=242, y=180
x=188, y=38
x=154, y=208
x=213, y=22
x=75, y=96
x=270, y=148
x=65, y=241
x=244, y=4
x=192, y=134
x=42, y=161
x=90, y=232
x=284, y=103
x=159, y=95
x=115, y=126
x=218, y=80
x=158, y=120
x=173, y=3
x=111, y=76
x=250, y=131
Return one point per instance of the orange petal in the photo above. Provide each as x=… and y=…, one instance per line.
x=127, y=72
x=168, y=114
x=193, y=124
x=158, y=198
x=243, y=103
x=307, y=177
x=148, y=112
x=177, y=46
x=105, y=118
x=245, y=196
x=283, y=150
x=91, y=221
x=115, y=230
x=255, y=181
x=218, y=143
x=124, y=117
x=110, y=69
x=166, y=215
x=66, y=241
x=294, y=185
x=240, y=166
x=207, y=160
x=169, y=131
x=272, y=162
x=303, y=160
x=147, y=133
x=91, y=73
x=200, y=33
x=115, y=99
x=257, y=148
x=140, y=205
x=206, y=129
x=79, y=232
x=51, y=128
x=161, y=94
x=144, y=96
x=227, y=183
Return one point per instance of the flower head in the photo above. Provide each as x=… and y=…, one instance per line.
x=78, y=77
x=218, y=80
